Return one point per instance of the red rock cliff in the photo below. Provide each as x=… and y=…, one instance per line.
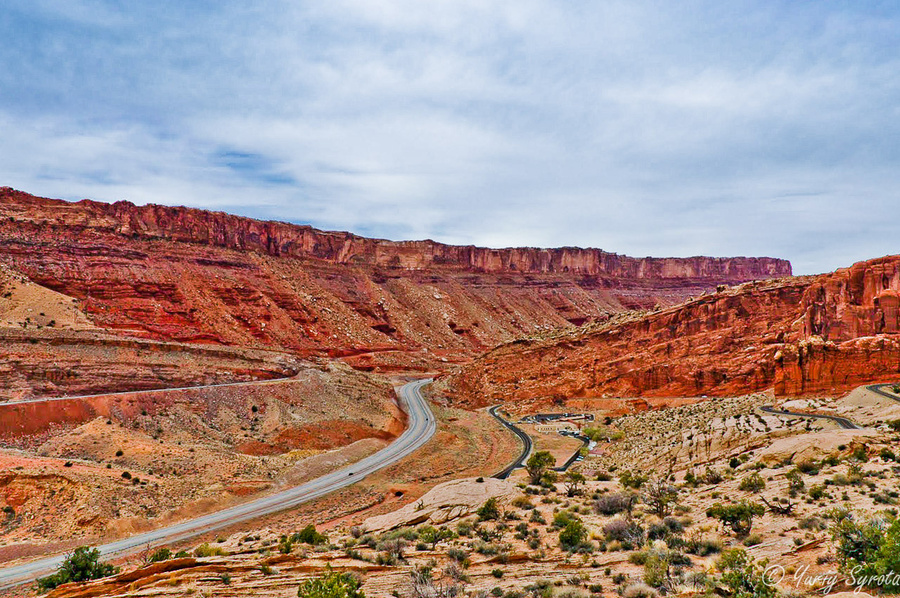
x=194, y=276
x=800, y=335
x=186, y=225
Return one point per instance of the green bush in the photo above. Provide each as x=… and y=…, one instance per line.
x=489, y=510
x=161, y=554
x=205, y=550
x=738, y=516
x=630, y=480
x=331, y=585
x=741, y=577
x=537, y=465
x=309, y=535
x=573, y=536
x=869, y=550
x=82, y=565
x=752, y=483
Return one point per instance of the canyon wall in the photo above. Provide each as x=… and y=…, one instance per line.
x=797, y=335
x=218, y=229
x=186, y=275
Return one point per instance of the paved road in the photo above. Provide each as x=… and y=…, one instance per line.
x=841, y=421
x=877, y=389
x=526, y=445
x=586, y=442
x=421, y=427
x=148, y=391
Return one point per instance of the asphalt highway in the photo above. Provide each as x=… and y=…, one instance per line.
x=526, y=445
x=877, y=389
x=148, y=391
x=420, y=428
x=840, y=421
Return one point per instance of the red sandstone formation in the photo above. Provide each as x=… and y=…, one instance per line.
x=800, y=335
x=179, y=274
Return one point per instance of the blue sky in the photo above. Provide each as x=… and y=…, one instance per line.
x=644, y=128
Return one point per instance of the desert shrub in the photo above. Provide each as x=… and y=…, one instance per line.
x=285, y=545
x=812, y=523
x=737, y=516
x=753, y=540
x=489, y=510
x=741, y=577
x=631, y=480
x=869, y=550
x=458, y=555
x=205, y=550
x=831, y=460
x=887, y=454
x=817, y=492
x=161, y=554
x=435, y=535
x=309, y=535
x=809, y=467
x=752, y=483
x=860, y=453
x=486, y=548
x=523, y=502
x=712, y=477
x=795, y=481
x=639, y=590
x=703, y=546
x=629, y=533
x=660, y=496
x=613, y=504
x=537, y=465
x=331, y=584
x=573, y=536
x=82, y=565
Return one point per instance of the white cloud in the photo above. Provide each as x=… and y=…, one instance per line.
x=642, y=128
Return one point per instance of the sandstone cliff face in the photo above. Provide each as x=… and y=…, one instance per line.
x=179, y=274
x=797, y=335
x=217, y=229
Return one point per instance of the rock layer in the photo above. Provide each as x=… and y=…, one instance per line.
x=798, y=335
x=187, y=275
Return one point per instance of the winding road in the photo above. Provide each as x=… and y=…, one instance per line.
x=526, y=444
x=877, y=389
x=421, y=427
x=843, y=422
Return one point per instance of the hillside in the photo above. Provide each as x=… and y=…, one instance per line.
x=797, y=335
x=186, y=275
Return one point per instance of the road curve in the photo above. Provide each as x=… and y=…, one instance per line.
x=876, y=388
x=420, y=428
x=526, y=444
x=144, y=391
x=843, y=422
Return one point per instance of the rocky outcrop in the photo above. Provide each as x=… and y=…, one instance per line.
x=443, y=503
x=54, y=362
x=799, y=335
x=179, y=274
x=218, y=229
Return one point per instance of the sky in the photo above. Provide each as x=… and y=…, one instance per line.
x=644, y=128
